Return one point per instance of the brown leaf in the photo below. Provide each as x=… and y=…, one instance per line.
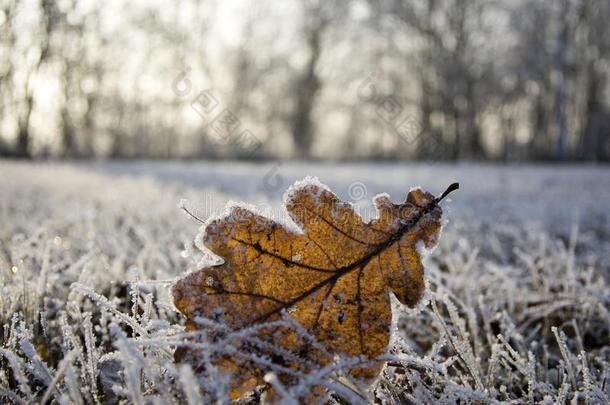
x=333, y=277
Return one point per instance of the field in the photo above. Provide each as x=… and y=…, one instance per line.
x=517, y=308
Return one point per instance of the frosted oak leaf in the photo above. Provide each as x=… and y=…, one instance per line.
x=332, y=276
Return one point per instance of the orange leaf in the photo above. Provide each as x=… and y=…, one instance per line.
x=333, y=277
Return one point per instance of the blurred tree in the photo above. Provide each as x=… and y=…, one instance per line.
x=28, y=68
x=451, y=69
x=7, y=67
x=595, y=33
x=506, y=80
x=532, y=27
x=561, y=99
x=317, y=16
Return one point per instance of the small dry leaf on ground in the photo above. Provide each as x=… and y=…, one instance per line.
x=333, y=278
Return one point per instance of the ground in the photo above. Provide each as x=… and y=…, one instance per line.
x=518, y=298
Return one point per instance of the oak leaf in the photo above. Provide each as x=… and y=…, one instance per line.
x=332, y=276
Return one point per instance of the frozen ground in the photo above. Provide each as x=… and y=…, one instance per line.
x=526, y=249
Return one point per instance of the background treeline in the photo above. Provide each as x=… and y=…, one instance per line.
x=385, y=79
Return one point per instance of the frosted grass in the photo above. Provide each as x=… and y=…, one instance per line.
x=517, y=308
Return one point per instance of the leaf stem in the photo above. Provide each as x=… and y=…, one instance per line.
x=452, y=187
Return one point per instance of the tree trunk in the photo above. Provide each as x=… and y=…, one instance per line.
x=306, y=90
x=23, y=134
x=561, y=100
